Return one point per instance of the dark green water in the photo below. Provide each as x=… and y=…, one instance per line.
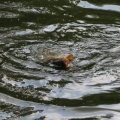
x=89, y=89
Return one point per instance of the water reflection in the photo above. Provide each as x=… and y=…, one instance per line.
x=103, y=7
x=56, y=112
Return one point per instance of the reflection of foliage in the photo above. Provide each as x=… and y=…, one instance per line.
x=102, y=2
x=54, y=2
x=61, y=83
x=17, y=111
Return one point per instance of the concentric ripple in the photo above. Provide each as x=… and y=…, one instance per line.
x=31, y=31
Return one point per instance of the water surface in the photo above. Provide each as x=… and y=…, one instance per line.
x=89, y=89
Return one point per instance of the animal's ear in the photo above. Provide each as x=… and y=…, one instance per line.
x=69, y=56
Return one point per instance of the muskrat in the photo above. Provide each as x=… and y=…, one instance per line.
x=61, y=61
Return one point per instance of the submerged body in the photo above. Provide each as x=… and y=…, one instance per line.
x=61, y=61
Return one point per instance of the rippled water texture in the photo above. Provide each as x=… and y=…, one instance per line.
x=89, y=89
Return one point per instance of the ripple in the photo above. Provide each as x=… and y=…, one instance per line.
x=32, y=31
x=4, y=14
x=54, y=112
x=103, y=7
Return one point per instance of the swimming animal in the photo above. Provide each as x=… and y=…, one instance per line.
x=61, y=61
